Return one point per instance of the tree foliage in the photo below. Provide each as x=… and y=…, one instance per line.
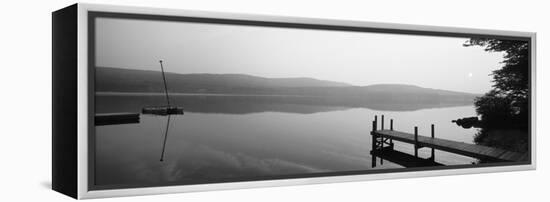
x=507, y=102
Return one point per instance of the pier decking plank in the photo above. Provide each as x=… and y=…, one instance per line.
x=471, y=150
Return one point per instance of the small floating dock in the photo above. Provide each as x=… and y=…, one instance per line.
x=382, y=146
x=116, y=118
x=162, y=110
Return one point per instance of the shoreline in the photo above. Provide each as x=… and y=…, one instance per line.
x=104, y=93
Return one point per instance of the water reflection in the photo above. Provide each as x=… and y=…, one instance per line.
x=231, y=104
x=165, y=137
x=229, y=138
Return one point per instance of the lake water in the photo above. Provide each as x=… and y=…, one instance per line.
x=221, y=138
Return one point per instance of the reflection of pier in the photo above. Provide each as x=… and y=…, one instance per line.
x=116, y=118
x=383, y=147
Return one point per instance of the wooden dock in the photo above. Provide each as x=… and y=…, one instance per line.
x=116, y=118
x=382, y=145
x=162, y=110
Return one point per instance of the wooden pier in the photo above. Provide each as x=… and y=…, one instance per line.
x=116, y=118
x=382, y=146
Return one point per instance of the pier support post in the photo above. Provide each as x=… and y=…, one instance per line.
x=373, y=134
x=433, y=150
x=373, y=148
x=415, y=141
x=382, y=123
x=391, y=128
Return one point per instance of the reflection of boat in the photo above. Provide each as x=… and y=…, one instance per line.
x=165, y=137
x=163, y=110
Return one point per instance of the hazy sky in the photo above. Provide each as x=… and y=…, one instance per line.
x=356, y=58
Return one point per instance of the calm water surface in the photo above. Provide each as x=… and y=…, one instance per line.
x=226, y=138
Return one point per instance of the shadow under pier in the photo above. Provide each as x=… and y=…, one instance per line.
x=400, y=158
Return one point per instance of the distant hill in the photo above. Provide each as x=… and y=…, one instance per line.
x=126, y=80
x=335, y=93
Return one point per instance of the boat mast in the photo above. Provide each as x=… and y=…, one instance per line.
x=165, y=86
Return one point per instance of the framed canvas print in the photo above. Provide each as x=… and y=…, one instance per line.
x=150, y=101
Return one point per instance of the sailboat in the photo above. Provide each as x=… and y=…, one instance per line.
x=163, y=110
